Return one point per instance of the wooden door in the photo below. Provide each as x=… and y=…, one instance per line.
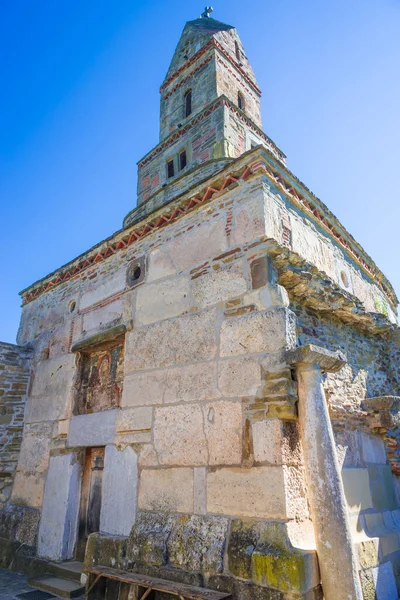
x=89, y=512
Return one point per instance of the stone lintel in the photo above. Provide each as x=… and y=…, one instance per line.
x=382, y=403
x=101, y=337
x=327, y=360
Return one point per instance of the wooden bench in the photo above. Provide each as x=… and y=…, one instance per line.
x=114, y=584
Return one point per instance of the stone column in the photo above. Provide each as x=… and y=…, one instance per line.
x=337, y=560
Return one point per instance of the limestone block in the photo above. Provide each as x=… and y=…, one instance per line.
x=348, y=448
x=147, y=543
x=28, y=489
x=219, y=286
x=102, y=316
x=267, y=440
x=59, y=521
x=160, y=265
x=176, y=341
x=197, y=543
x=99, y=290
x=356, y=489
x=223, y=428
x=268, y=331
x=179, y=437
x=162, y=300
x=96, y=429
x=196, y=246
x=373, y=449
x=167, y=490
x=134, y=419
x=191, y=382
x=379, y=583
x=239, y=377
x=368, y=553
x=147, y=456
x=142, y=389
x=256, y=492
x=249, y=223
x=35, y=448
x=119, y=491
x=295, y=492
x=382, y=487
x=200, y=490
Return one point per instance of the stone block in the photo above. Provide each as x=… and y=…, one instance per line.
x=382, y=487
x=96, y=429
x=267, y=441
x=219, y=286
x=373, y=449
x=368, y=553
x=167, y=490
x=295, y=492
x=197, y=543
x=239, y=377
x=348, y=448
x=200, y=490
x=356, y=489
x=145, y=388
x=119, y=491
x=96, y=319
x=223, y=428
x=160, y=265
x=59, y=521
x=134, y=419
x=147, y=543
x=162, y=300
x=379, y=583
x=256, y=492
x=249, y=220
x=179, y=437
x=99, y=290
x=267, y=331
x=191, y=383
x=35, y=448
x=176, y=341
x=198, y=245
x=28, y=489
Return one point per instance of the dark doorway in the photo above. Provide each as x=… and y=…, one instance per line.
x=89, y=512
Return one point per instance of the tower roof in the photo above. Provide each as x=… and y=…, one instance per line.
x=209, y=26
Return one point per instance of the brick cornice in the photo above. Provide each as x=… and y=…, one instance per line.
x=211, y=44
x=257, y=161
x=220, y=101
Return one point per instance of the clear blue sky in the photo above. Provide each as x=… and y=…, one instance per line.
x=80, y=104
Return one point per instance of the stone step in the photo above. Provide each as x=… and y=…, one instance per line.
x=69, y=569
x=63, y=588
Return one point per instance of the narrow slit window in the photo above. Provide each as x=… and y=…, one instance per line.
x=240, y=101
x=188, y=103
x=170, y=168
x=182, y=160
x=237, y=51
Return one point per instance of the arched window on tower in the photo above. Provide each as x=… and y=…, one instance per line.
x=237, y=51
x=188, y=103
x=240, y=101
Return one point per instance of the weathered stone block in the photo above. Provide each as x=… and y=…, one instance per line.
x=379, y=583
x=96, y=429
x=95, y=319
x=58, y=525
x=167, y=490
x=179, y=437
x=134, y=419
x=162, y=300
x=373, y=449
x=267, y=441
x=268, y=331
x=239, y=377
x=223, y=428
x=191, y=383
x=356, y=489
x=108, y=286
x=348, y=448
x=219, y=286
x=147, y=543
x=160, y=265
x=256, y=492
x=119, y=491
x=382, y=487
x=197, y=543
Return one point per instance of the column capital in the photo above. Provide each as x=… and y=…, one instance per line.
x=326, y=360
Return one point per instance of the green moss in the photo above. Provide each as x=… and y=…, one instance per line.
x=283, y=572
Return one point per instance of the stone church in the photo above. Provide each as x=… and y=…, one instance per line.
x=206, y=404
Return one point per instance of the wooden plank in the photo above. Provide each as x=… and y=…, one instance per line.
x=189, y=592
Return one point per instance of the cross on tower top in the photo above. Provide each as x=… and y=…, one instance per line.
x=207, y=11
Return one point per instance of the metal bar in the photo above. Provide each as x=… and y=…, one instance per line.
x=93, y=584
x=147, y=592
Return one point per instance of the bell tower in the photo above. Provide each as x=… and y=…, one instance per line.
x=209, y=114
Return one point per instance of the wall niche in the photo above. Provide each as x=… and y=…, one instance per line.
x=100, y=377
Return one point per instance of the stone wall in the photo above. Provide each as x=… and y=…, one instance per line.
x=14, y=380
